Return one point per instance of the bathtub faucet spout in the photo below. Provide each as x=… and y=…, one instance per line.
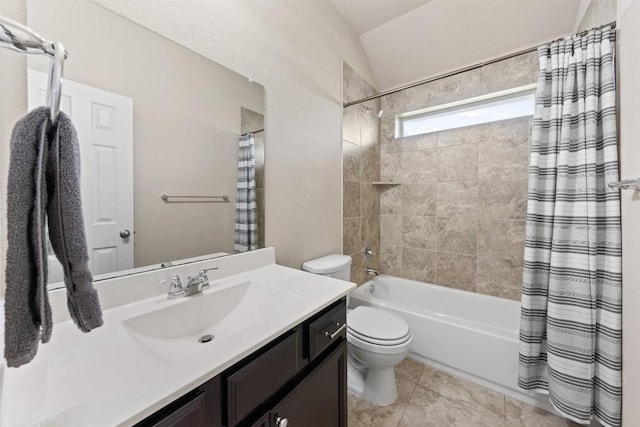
x=371, y=272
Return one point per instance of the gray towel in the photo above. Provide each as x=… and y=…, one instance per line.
x=44, y=181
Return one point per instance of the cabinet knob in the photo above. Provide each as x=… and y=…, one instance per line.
x=281, y=422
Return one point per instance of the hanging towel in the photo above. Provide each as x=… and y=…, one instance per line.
x=44, y=181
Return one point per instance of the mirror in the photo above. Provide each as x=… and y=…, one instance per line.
x=153, y=118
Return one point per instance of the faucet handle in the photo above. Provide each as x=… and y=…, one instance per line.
x=175, y=284
x=202, y=278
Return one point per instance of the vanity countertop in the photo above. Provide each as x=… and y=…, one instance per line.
x=108, y=378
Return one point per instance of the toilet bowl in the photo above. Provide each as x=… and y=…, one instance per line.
x=377, y=340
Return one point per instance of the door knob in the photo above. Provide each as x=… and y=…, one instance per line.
x=125, y=234
x=281, y=422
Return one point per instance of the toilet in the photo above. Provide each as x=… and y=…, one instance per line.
x=377, y=340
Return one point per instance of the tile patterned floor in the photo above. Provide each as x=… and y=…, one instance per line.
x=431, y=398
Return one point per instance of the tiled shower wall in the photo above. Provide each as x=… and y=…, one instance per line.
x=361, y=167
x=457, y=218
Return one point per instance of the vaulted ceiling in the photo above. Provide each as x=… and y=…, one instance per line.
x=409, y=40
x=365, y=15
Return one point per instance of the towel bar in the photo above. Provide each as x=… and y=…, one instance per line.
x=625, y=184
x=166, y=198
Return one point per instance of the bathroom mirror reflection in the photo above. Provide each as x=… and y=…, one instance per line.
x=153, y=118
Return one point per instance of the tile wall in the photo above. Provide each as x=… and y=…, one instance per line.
x=457, y=217
x=361, y=167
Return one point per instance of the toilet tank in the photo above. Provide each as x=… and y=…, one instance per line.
x=336, y=266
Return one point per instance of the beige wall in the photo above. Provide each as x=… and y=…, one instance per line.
x=361, y=167
x=187, y=114
x=629, y=88
x=458, y=217
x=295, y=50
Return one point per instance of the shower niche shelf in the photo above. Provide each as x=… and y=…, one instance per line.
x=382, y=183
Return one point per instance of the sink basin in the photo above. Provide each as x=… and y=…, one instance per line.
x=224, y=313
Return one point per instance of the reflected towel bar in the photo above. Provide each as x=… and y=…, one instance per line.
x=625, y=184
x=166, y=198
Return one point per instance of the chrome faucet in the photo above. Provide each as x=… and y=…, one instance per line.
x=195, y=285
x=175, y=287
x=371, y=272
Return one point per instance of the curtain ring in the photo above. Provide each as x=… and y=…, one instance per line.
x=573, y=46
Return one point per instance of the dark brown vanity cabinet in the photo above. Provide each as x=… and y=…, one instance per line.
x=188, y=413
x=199, y=408
x=298, y=379
x=255, y=381
x=320, y=399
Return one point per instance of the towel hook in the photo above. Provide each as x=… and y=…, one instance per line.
x=54, y=87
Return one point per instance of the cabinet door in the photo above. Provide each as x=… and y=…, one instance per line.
x=190, y=414
x=201, y=407
x=213, y=402
x=262, y=422
x=320, y=400
x=255, y=383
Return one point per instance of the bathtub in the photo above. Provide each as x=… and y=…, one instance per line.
x=467, y=334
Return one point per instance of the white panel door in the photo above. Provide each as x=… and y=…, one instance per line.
x=104, y=122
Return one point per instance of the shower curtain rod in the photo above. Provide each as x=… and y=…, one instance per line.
x=256, y=131
x=469, y=68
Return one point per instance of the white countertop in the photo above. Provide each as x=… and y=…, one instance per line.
x=107, y=378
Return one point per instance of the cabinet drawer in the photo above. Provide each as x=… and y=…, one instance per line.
x=256, y=382
x=327, y=329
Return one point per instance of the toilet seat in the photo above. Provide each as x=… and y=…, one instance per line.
x=377, y=348
x=378, y=341
x=377, y=330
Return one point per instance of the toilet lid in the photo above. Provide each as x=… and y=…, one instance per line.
x=361, y=340
x=377, y=324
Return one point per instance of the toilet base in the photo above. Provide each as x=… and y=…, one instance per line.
x=377, y=386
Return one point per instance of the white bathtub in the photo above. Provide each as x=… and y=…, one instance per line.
x=468, y=334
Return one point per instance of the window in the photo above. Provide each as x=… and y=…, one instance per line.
x=518, y=102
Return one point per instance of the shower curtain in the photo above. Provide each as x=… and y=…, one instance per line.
x=571, y=326
x=246, y=230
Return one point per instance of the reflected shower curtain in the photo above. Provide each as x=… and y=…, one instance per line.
x=571, y=326
x=246, y=230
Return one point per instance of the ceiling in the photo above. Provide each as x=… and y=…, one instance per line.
x=409, y=40
x=365, y=15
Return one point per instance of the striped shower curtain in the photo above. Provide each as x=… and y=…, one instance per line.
x=571, y=326
x=246, y=231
